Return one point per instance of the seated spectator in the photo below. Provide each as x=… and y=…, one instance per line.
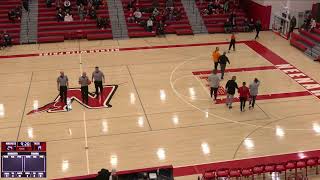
x=149, y=25
x=228, y=26
x=160, y=28
x=102, y=23
x=313, y=24
x=246, y=25
x=169, y=4
x=68, y=18
x=93, y=13
x=137, y=15
x=7, y=40
x=60, y=15
x=18, y=11
x=210, y=7
x=205, y=12
x=81, y=12
x=251, y=25
x=177, y=14
x=131, y=4
x=49, y=3
x=232, y=19
x=67, y=6
x=226, y=6
x=130, y=16
x=96, y=3
x=155, y=12
x=170, y=14
x=11, y=15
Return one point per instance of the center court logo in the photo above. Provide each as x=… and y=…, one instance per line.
x=94, y=102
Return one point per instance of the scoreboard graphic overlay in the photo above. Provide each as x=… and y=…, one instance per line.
x=23, y=159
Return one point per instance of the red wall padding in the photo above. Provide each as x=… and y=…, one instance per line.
x=257, y=12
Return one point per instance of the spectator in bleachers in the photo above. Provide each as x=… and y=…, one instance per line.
x=25, y=4
x=313, y=24
x=155, y=12
x=130, y=16
x=228, y=26
x=7, y=40
x=169, y=4
x=177, y=14
x=160, y=28
x=81, y=12
x=251, y=25
x=49, y=3
x=205, y=12
x=68, y=18
x=102, y=23
x=131, y=4
x=246, y=25
x=232, y=19
x=226, y=6
x=137, y=15
x=18, y=12
x=92, y=13
x=96, y=3
x=67, y=6
x=60, y=15
x=210, y=8
x=149, y=25
x=11, y=16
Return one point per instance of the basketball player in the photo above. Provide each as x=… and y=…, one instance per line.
x=62, y=86
x=214, y=81
x=98, y=79
x=258, y=28
x=223, y=60
x=231, y=87
x=84, y=82
x=243, y=95
x=215, y=58
x=232, y=42
x=254, y=86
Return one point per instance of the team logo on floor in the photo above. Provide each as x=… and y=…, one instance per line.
x=74, y=94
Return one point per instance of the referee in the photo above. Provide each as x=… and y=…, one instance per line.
x=98, y=79
x=62, y=86
x=84, y=82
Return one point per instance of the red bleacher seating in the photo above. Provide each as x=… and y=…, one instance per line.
x=215, y=22
x=298, y=45
x=50, y=30
x=5, y=24
x=302, y=39
x=179, y=27
x=310, y=35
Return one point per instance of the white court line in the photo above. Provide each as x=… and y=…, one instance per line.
x=84, y=122
x=214, y=115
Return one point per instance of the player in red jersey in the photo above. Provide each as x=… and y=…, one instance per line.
x=244, y=94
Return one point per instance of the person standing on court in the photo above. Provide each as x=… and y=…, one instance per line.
x=231, y=87
x=62, y=86
x=214, y=81
x=243, y=95
x=215, y=58
x=98, y=79
x=223, y=60
x=84, y=82
x=254, y=86
x=258, y=28
x=232, y=42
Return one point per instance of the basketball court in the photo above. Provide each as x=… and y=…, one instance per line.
x=161, y=110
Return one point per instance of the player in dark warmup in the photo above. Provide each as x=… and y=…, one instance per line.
x=258, y=29
x=232, y=43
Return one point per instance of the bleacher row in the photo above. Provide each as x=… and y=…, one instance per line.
x=179, y=27
x=215, y=22
x=5, y=25
x=305, y=40
x=50, y=30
